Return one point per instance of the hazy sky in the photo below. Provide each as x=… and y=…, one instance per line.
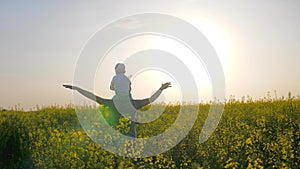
x=258, y=43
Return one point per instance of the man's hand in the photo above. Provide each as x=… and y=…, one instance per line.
x=165, y=85
x=70, y=87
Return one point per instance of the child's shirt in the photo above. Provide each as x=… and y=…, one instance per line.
x=121, y=84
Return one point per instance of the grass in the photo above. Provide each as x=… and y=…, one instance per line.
x=251, y=134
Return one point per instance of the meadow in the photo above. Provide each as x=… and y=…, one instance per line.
x=251, y=134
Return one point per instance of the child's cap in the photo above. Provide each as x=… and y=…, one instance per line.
x=120, y=68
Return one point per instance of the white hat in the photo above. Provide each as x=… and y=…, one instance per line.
x=120, y=68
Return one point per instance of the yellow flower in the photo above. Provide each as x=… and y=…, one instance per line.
x=74, y=154
x=248, y=141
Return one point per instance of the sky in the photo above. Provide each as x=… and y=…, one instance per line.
x=257, y=42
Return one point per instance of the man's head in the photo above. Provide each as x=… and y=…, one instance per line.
x=120, y=68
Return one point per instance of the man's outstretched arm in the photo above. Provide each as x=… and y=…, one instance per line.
x=88, y=94
x=138, y=104
x=158, y=92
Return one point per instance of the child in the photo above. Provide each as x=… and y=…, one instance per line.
x=122, y=85
x=120, y=82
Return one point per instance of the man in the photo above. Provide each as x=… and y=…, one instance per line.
x=122, y=99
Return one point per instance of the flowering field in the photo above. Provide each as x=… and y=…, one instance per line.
x=251, y=134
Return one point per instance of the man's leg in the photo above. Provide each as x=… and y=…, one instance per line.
x=132, y=131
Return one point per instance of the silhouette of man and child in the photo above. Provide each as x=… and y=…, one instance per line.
x=122, y=100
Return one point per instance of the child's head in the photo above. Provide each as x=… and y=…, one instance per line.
x=120, y=68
